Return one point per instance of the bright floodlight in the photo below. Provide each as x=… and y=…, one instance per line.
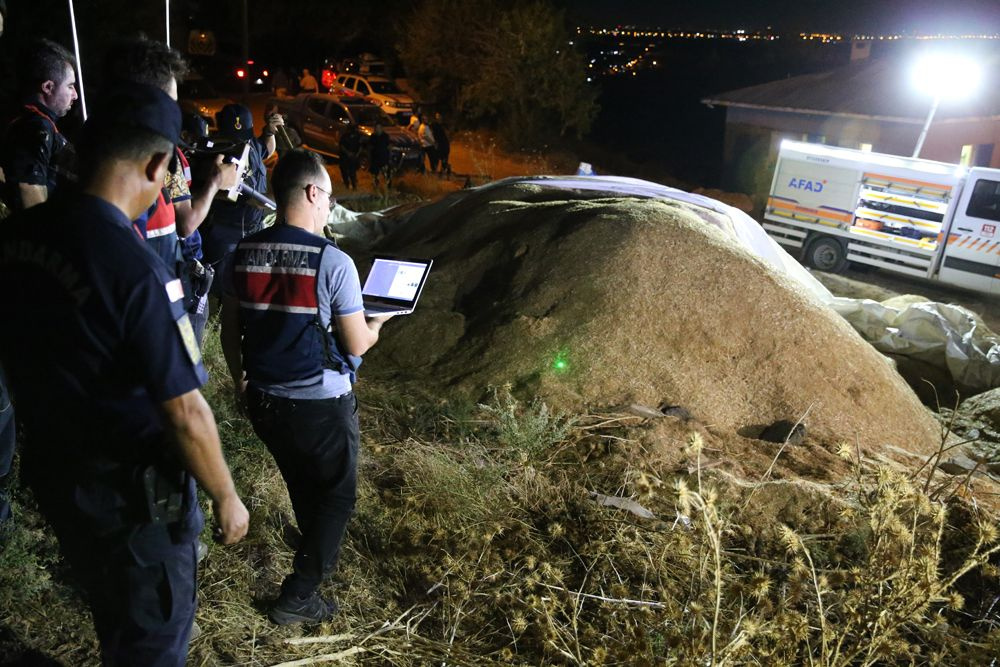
x=946, y=75
x=943, y=76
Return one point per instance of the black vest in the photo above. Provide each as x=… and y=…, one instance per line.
x=275, y=277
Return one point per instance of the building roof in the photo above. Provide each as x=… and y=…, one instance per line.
x=875, y=89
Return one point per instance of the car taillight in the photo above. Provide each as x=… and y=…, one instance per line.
x=240, y=73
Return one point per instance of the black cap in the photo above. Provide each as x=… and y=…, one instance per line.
x=235, y=121
x=195, y=125
x=136, y=105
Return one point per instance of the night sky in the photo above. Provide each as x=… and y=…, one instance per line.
x=927, y=16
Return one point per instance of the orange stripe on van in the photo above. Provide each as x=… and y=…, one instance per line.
x=897, y=179
x=818, y=212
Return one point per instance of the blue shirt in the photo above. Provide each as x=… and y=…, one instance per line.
x=339, y=291
x=191, y=246
x=96, y=337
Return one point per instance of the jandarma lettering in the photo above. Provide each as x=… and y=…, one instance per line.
x=275, y=258
x=49, y=261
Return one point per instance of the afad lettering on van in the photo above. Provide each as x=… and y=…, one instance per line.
x=807, y=185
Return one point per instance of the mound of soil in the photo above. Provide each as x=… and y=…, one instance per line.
x=586, y=299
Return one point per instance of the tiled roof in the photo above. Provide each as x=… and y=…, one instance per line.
x=877, y=88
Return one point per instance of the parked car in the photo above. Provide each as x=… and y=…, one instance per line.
x=378, y=90
x=198, y=96
x=321, y=118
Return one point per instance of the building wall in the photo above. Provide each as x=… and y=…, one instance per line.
x=753, y=137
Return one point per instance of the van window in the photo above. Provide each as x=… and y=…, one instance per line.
x=363, y=88
x=985, y=200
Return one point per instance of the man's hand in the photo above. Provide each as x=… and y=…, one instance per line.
x=224, y=174
x=197, y=440
x=274, y=121
x=378, y=320
x=232, y=519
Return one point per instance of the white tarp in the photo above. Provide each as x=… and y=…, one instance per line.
x=947, y=336
x=942, y=334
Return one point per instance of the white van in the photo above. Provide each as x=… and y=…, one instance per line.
x=914, y=217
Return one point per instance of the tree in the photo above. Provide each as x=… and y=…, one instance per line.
x=512, y=64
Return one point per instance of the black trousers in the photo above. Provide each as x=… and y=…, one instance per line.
x=349, y=172
x=315, y=444
x=139, y=577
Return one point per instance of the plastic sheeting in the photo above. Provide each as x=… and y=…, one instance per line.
x=944, y=335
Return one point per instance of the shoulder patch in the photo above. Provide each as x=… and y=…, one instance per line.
x=175, y=291
x=190, y=342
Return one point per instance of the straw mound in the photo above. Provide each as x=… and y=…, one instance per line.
x=645, y=303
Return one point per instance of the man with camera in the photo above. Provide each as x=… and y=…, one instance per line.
x=228, y=221
x=170, y=226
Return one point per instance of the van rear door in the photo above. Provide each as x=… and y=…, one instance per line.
x=972, y=256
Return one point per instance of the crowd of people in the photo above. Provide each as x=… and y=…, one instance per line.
x=429, y=129
x=108, y=258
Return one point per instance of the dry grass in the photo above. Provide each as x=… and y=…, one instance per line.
x=477, y=541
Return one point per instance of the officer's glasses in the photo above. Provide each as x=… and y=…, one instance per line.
x=329, y=195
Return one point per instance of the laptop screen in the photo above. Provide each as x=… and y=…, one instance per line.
x=396, y=279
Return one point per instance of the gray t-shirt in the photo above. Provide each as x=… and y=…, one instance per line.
x=339, y=294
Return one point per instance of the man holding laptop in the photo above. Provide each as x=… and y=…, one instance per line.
x=287, y=287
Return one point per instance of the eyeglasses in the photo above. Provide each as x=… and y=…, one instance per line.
x=329, y=195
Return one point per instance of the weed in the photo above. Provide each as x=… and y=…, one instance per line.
x=528, y=430
x=477, y=541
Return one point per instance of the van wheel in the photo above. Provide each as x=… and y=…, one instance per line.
x=826, y=254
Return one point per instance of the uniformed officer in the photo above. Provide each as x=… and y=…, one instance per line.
x=105, y=373
x=287, y=286
x=228, y=222
x=170, y=226
x=35, y=157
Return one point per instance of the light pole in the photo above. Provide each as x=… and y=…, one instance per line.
x=943, y=76
x=927, y=125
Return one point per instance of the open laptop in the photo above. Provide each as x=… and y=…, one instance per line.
x=394, y=284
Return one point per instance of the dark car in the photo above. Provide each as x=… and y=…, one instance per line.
x=320, y=119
